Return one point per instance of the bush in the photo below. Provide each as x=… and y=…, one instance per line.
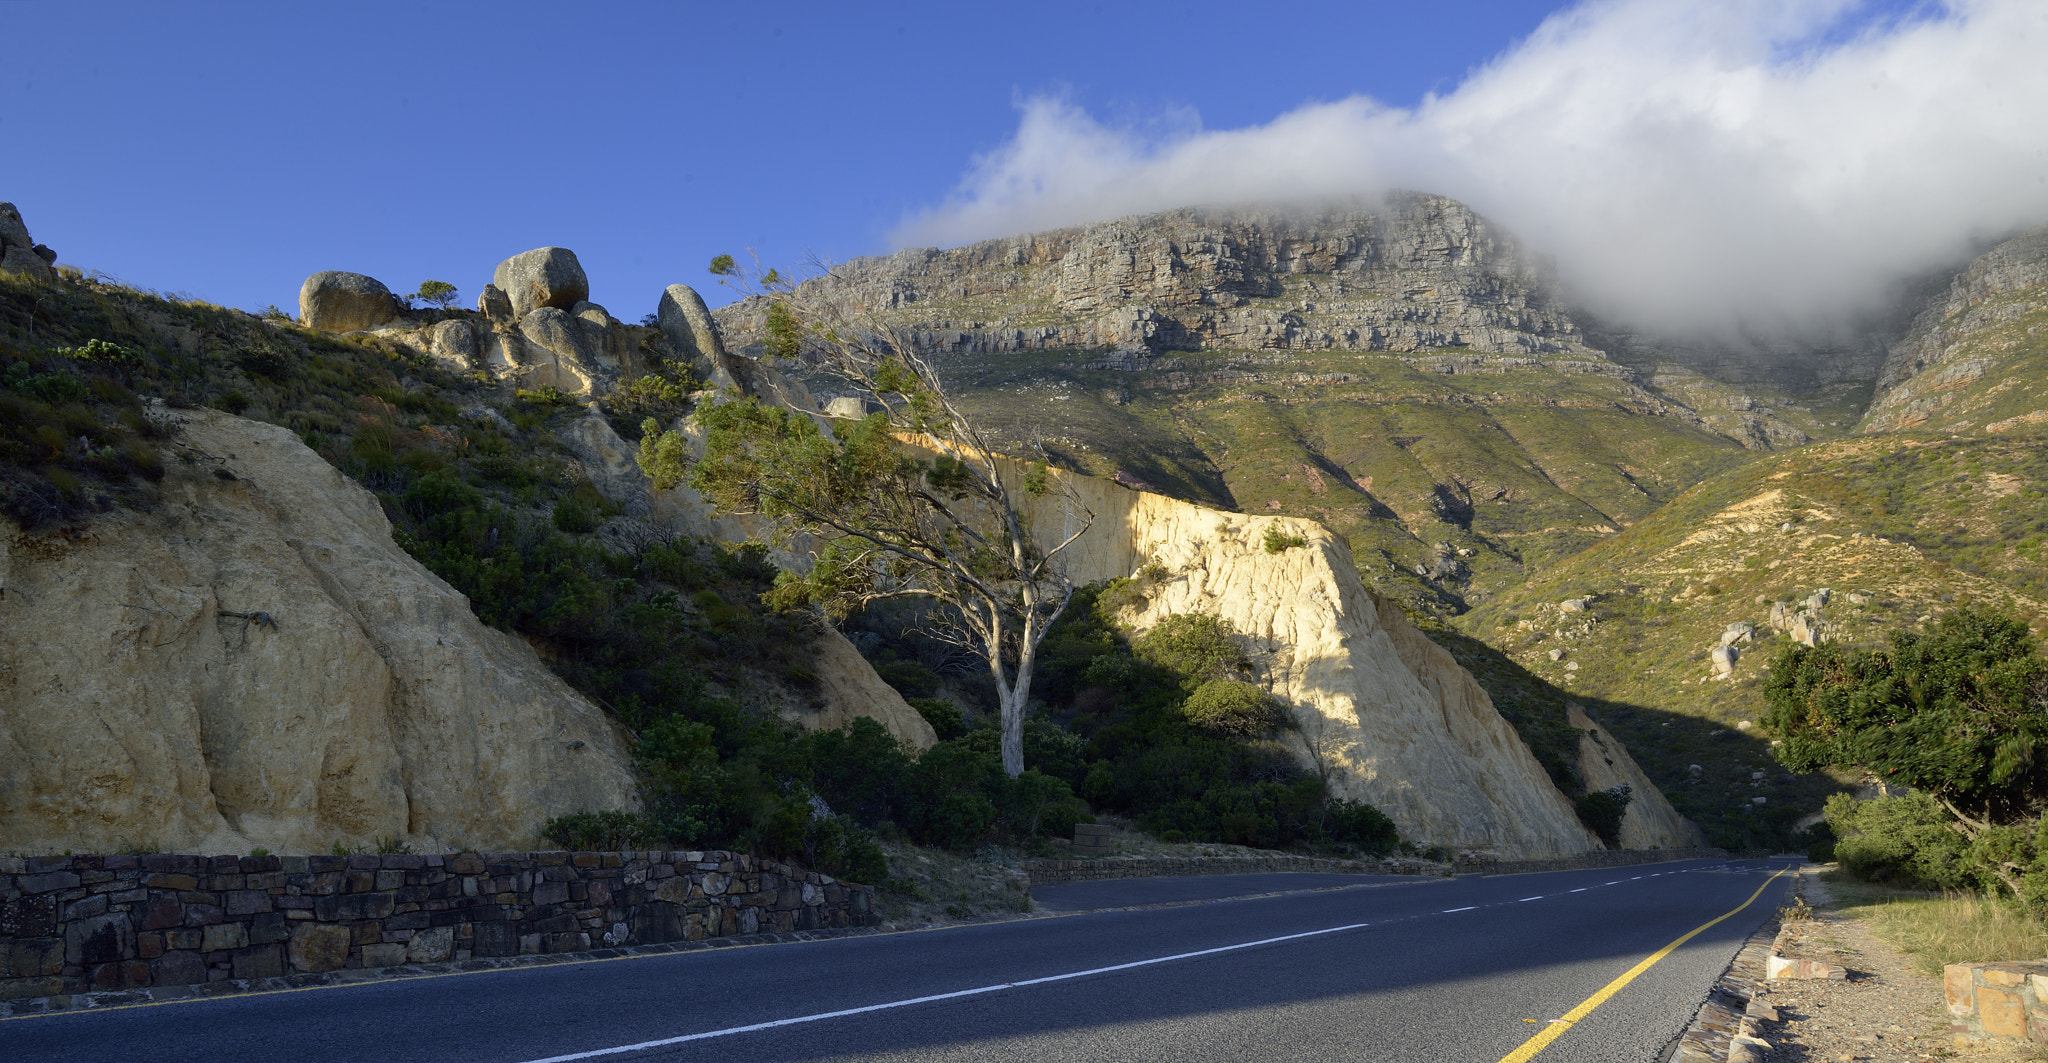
x=599, y=831
x=1233, y=707
x=1900, y=841
x=943, y=715
x=1275, y=541
x=1602, y=812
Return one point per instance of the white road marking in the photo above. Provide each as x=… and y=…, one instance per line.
x=1466, y=908
x=1581, y=889
x=729, y=1031
x=1538, y=897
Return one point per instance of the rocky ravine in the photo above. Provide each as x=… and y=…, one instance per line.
x=256, y=663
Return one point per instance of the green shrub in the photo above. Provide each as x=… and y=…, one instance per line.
x=1602, y=812
x=599, y=832
x=943, y=715
x=1233, y=707
x=1276, y=541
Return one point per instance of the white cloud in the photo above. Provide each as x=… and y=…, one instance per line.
x=1689, y=163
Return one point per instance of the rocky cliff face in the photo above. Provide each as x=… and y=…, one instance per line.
x=1977, y=357
x=1386, y=715
x=256, y=663
x=1412, y=273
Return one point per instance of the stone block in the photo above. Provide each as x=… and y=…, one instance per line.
x=349, y=907
x=221, y=936
x=550, y=893
x=182, y=939
x=202, y=914
x=125, y=974
x=434, y=945
x=162, y=912
x=149, y=946
x=385, y=954
x=2003, y=1012
x=466, y=864
x=2004, y=975
x=86, y=908
x=174, y=864
x=529, y=944
x=170, y=881
x=389, y=880
x=24, y=988
x=44, y=883
x=33, y=957
x=177, y=968
x=259, y=961
x=1959, y=989
x=319, y=947
x=247, y=902
x=576, y=942
x=101, y=939
x=495, y=939
x=269, y=927
x=319, y=864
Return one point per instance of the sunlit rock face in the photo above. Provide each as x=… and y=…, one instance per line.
x=255, y=663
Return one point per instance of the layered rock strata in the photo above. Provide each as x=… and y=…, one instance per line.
x=1413, y=272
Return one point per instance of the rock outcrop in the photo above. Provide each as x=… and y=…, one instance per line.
x=337, y=301
x=19, y=253
x=1964, y=347
x=1384, y=714
x=1650, y=822
x=544, y=276
x=256, y=663
x=1411, y=273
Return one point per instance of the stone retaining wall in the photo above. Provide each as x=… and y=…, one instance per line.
x=1051, y=872
x=74, y=924
x=1595, y=858
x=1997, y=1000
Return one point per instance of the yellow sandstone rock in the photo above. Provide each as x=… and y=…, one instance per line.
x=257, y=663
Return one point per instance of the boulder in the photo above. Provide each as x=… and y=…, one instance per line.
x=1724, y=657
x=601, y=333
x=454, y=342
x=851, y=407
x=686, y=322
x=556, y=352
x=335, y=301
x=13, y=231
x=494, y=304
x=544, y=276
x=1738, y=632
x=20, y=254
x=1572, y=605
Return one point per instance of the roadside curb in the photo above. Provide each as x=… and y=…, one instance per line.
x=1728, y=1026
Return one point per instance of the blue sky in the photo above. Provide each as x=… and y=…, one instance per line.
x=228, y=151
x=1688, y=163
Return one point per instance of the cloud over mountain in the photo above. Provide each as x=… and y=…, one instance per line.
x=1691, y=164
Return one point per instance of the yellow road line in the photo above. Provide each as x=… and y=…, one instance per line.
x=1557, y=1027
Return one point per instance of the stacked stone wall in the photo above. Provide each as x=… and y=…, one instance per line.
x=76, y=924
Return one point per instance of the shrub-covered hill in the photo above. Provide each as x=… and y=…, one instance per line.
x=668, y=633
x=1897, y=529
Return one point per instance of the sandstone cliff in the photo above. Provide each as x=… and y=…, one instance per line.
x=256, y=663
x=1384, y=714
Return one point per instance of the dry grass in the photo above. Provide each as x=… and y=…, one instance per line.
x=1937, y=929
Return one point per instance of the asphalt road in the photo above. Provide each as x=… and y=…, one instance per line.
x=1123, y=892
x=1443, y=970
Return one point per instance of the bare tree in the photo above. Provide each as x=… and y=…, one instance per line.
x=911, y=501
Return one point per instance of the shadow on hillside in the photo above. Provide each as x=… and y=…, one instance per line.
x=1720, y=796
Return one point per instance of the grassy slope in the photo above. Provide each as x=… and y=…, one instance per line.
x=1913, y=525
x=1521, y=467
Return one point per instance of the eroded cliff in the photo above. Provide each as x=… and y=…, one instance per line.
x=256, y=663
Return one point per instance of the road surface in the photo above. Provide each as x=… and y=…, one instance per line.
x=1440, y=970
